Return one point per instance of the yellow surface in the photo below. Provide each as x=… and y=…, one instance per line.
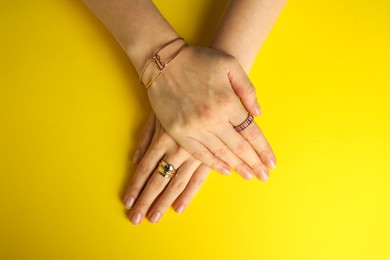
x=71, y=110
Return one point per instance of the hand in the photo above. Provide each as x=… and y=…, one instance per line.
x=197, y=101
x=148, y=193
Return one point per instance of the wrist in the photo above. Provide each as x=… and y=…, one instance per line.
x=141, y=50
x=160, y=59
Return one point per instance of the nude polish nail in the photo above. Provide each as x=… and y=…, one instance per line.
x=264, y=174
x=248, y=174
x=136, y=218
x=225, y=171
x=129, y=203
x=257, y=110
x=271, y=163
x=180, y=209
x=155, y=217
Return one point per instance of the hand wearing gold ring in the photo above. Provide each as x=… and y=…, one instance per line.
x=149, y=192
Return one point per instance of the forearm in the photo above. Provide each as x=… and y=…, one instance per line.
x=245, y=26
x=136, y=24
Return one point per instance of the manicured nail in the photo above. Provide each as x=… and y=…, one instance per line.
x=180, y=209
x=155, y=217
x=248, y=174
x=136, y=156
x=129, y=203
x=136, y=218
x=264, y=174
x=257, y=110
x=271, y=163
x=225, y=171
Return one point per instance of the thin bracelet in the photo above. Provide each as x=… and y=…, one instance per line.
x=157, y=60
x=165, y=64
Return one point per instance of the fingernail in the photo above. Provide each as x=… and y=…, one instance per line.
x=155, y=217
x=136, y=156
x=248, y=174
x=271, y=163
x=136, y=218
x=257, y=110
x=264, y=174
x=180, y=209
x=225, y=171
x=129, y=203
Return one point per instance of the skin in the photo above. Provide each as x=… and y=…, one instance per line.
x=241, y=33
x=200, y=85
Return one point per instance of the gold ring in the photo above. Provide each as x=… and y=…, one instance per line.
x=166, y=170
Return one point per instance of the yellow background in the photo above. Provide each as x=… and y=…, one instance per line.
x=71, y=110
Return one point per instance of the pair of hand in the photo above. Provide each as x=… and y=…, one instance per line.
x=198, y=100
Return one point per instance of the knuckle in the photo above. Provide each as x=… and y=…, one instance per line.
x=266, y=153
x=257, y=165
x=240, y=167
x=177, y=185
x=208, y=115
x=143, y=140
x=162, y=141
x=141, y=206
x=225, y=100
x=250, y=90
x=157, y=184
x=242, y=148
x=133, y=191
x=202, y=155
x=221, y=152
x=252, y=133
x=197, y=182
x=143, y=170
x=161, y=206
x=175, y=127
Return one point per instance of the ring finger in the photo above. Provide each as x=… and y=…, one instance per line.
x=153, y=188
x=175, y=187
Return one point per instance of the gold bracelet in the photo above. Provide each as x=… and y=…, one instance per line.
x=160, y=64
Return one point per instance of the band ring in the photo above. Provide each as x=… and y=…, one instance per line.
x=166, y=170
x=248, y=121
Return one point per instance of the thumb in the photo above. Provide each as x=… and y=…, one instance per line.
x=244, y=89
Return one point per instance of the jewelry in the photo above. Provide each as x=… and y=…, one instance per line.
x=166, y=170
x=249, y=120
x=159, y=63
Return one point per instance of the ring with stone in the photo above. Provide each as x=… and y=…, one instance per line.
x=166, y=170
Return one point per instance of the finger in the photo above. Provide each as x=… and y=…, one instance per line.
x=255, y=136
x=141, y=175
x=192, y=188
x=203, y=154
x=223, y=152
x=245, y=150
x=145, y=138
x=244, y=89
x=173, y=190
x=153, y=188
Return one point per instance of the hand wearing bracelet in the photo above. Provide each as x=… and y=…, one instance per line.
x=201, y=87
x=160, y=64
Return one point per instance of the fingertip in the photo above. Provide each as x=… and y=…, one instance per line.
x=226, y=171
x=180, y=209
x=257, y=110
x=271, y=163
